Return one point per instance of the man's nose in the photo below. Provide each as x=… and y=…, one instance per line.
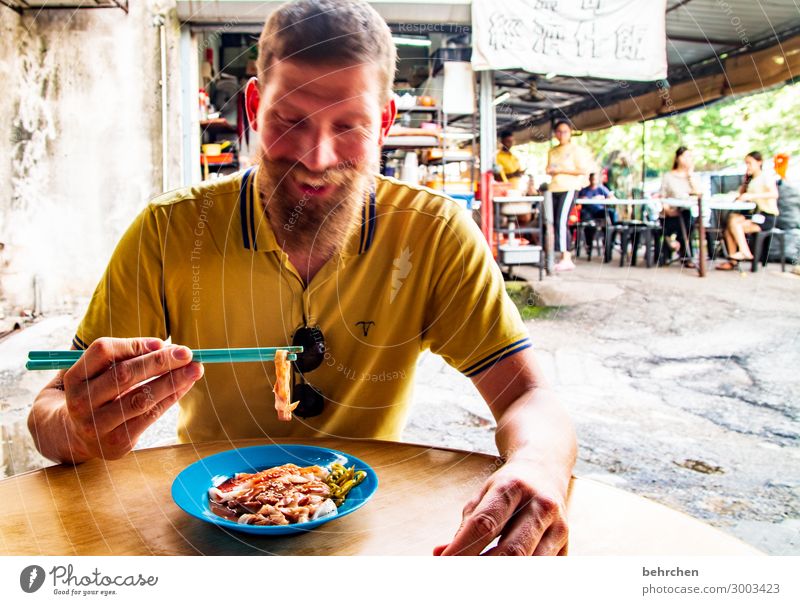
x=320, y=154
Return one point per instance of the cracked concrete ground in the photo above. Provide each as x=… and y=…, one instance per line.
x=682, y=390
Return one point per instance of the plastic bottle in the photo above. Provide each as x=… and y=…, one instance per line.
x=512, y=236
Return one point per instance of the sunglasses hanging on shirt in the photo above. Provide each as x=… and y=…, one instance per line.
x=311, y=401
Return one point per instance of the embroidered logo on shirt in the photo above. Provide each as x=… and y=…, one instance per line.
x=402, y=267
x=365, y=326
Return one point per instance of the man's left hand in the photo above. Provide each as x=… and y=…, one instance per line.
x=520, y=506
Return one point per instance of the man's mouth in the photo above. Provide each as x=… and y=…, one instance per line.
x=314, y=188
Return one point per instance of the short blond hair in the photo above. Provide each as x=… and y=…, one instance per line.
x=329, y=32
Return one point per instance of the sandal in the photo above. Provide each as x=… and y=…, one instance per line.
x=689, y=264
x=740, y=256
x=727, y=266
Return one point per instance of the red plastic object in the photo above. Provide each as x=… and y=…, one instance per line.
x=574, y=214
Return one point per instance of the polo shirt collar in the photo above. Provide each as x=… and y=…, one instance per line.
x=257, y=234
x=362, y=236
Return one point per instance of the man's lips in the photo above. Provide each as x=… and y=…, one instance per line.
x=316, y=189
x=313, y=189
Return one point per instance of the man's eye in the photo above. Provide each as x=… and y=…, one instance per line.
x=289, y=120
x=345, y=127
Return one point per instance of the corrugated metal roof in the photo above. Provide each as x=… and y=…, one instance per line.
x=729, y=22
x=700, y=35
x=21, y=6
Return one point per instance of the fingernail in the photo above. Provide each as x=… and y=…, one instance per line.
x=152, y=344
x=194, y=371
x=181, y=353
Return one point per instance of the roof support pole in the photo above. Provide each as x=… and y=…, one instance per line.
x=488, y=138
x=644, y=154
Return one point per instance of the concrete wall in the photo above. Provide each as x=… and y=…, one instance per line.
x=81, y=151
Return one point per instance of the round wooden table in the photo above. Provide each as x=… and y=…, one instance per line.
x=124, y=507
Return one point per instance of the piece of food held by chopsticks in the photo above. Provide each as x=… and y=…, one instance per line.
x=282, y=495
x=283, y=356
x=283, y=386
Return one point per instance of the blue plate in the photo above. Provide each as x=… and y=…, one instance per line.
x=190, y=488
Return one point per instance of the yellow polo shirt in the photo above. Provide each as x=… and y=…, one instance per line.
x=510, y=164
x=201, y=265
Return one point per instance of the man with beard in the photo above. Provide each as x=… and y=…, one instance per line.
x=312, y=247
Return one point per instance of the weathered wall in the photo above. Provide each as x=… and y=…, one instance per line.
x=81, y=149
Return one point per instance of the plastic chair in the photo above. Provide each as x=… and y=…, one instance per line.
x=581, y=226
x=634, y=232
x=761, y=252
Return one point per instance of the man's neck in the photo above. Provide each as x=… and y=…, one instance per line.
x=308, y=265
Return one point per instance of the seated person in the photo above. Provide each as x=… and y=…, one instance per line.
x=595, y=212
x=304, y=247
x=763, y=192
x=679, y=183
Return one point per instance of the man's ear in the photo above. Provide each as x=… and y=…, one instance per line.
x=388, y=115
x=252, y=98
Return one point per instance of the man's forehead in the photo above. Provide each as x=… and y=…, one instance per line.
x=334, y=84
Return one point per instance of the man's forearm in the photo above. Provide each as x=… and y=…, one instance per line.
x=536, y=428
x=51, y=430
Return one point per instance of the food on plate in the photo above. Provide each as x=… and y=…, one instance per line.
x=283, y=386
x=285, y=494
x=341, y=480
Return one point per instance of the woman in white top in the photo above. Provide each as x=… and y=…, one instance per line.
x=680, y=184
x=757, y=188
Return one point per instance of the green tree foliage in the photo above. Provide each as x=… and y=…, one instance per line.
x=720, y=135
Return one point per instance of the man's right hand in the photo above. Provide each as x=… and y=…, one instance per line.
x=107, y=405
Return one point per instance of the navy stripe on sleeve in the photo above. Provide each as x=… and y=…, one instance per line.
x=507, y=351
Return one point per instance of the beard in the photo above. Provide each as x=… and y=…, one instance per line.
x=312, y=224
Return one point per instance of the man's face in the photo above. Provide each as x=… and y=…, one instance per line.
x=507, y=142
x=320, y=129
x=592, y=181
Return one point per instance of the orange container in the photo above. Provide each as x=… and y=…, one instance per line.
x=781, y=164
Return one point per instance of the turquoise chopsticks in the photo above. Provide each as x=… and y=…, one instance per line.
x=62, y=360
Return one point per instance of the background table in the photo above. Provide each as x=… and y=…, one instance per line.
x=612, y=201
x=717, y=205
x=712, y=204
x=124, y=507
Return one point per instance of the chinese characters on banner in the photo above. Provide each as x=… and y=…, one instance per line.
x=615, y=39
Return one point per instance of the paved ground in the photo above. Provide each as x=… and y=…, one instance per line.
x=682, y=390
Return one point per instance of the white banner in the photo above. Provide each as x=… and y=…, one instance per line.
x=615, y=39
x=371, y=580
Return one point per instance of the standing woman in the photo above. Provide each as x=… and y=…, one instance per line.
x=762, y=191
x=568, y=164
